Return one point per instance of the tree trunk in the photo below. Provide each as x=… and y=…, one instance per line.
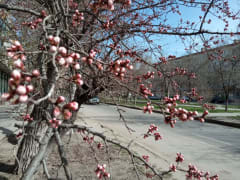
x=29, y=145
x=226, y=104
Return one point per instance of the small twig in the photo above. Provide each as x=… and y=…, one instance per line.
x=45, y=168
x=7, y=7
x=63, y=156
x=104, y=138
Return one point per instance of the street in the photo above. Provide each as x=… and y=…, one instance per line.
x=210, y=147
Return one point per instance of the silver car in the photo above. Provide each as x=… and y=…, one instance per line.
x=94, y=100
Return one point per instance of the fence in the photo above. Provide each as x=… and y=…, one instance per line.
x=3, y=82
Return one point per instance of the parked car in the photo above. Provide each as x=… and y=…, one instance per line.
x=154, y=97
x=221, y=99
x=94, y=100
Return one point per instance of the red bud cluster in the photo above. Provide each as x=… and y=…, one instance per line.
x=163, y=60
x=145, y=91
x=173, y=168
x=148, y=75
x=101, y=171
x=65, y=110
x=88, y=139
x=60, y=99
x=151, y=132
x=34, y=24
x=100, y=146
x=90, y=57
x=72, y=106
x=77, y=79
x=72, y=4
x=108, y=25
x=193, y=172
x=145, y=76
x=27, y=118
x=174, y=112
x=208, y=106
x=145, y=157
x=19, y=134
x=55, y=123
x=54, y=41
x=194, y=93
x=119, y=67
x=180, y=71
x=179, y=158
x=19, y=86
x=103, y=4
x=65, y=59
x=148, y=108
x=15, y=52
x=77, y=18
x=108, y=4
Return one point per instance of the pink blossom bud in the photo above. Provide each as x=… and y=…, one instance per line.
x=5, y=96
x=90, y=61
x=35, y=73
x=23, y=98
x=21, y=90
x=23, y=57
x=205, y=113
x=195, y=113
x=56, y=40
x=73, y=106
x=201, y=120
x=78, y=76
x=16, y=74
x=62, y=50
x=60, y=99
x=62, y=61
x=77, y=56
x=84, y=59
x=28, y=78
x=67, y=114
x=53, y=49
x=18, y=64
x=69, y=60
x=56, y=112
x=79, y=82
x=17, y=43
x=10, y=54
x=77, y=66
x=29, y=88
x=50, y=38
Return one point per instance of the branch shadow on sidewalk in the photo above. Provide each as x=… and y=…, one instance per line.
x=6, y=168
x=11, y=137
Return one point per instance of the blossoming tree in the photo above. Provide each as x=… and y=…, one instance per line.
x=75, y=49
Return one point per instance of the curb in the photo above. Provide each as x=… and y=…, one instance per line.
x=207, y=120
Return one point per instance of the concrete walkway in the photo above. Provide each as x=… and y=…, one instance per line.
x=7, y=120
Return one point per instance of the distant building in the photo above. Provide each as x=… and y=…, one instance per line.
x=206, y=71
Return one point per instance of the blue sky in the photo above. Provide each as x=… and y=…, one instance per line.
x=171, y=45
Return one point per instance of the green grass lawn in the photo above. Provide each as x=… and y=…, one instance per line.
x=143, y=102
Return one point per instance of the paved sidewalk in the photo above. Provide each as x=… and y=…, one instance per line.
x=7, y=120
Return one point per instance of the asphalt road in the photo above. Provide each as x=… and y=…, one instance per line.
x=210, y=147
